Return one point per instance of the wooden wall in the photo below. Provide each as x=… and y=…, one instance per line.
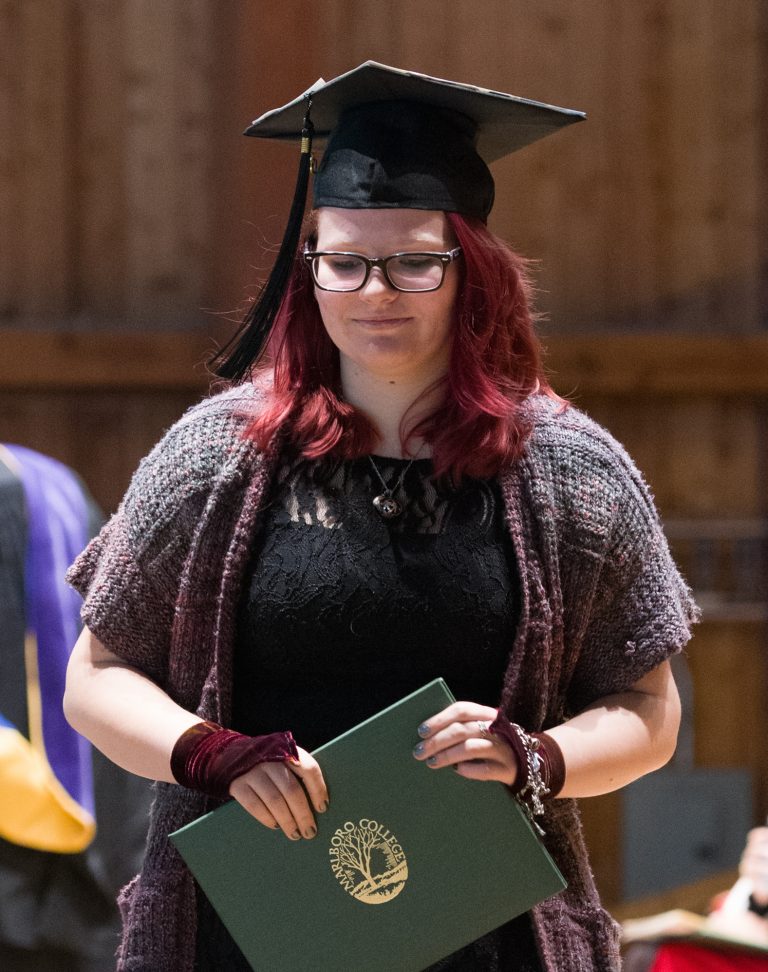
x=105, y=169
x=128, y=194
x=135, y=221
x=97, y=401
x=652, y=213
x=703, y=453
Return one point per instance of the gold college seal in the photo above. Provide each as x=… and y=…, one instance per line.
x=368, y=861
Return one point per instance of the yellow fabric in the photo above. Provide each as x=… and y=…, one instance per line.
x=35, y=809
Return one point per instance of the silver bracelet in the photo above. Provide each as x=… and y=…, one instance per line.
x=531, y=794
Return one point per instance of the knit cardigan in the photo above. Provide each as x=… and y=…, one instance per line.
x=602, y=604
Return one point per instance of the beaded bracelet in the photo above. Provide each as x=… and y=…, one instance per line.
x=208, y=757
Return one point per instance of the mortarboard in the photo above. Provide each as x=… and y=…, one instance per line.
x=394, y=139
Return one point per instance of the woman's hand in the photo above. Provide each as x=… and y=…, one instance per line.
x=612, y=742
x=754, y=864
x=458, y=737
x=103, y=698
x=282, y=795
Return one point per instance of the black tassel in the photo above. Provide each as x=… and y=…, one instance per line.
x=236, y=359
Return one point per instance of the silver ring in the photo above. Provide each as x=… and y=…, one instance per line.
x=483, y=727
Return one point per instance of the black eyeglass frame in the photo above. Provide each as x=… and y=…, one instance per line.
x=381, y=262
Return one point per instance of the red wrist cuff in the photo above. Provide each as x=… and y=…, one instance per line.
x=553, y=764
x=207, y=757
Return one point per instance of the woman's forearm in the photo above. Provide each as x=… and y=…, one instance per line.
x=621, y=737
x=121, y=711
x=614, y=741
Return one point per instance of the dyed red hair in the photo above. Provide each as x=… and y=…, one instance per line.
x=495, y=365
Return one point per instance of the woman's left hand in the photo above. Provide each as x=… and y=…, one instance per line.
x=458, y=737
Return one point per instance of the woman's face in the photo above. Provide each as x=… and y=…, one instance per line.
x=381, y=332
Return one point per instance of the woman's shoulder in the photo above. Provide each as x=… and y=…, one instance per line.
x=207, y=444
x=563, y=432
x=222, y=410
x=585, y=466
x=212, y=428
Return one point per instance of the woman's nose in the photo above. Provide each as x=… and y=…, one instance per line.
x=377, y=287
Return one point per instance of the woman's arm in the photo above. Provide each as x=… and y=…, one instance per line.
x=611, y=743
x=122, y=711
x=136, y=725
x=754, y=865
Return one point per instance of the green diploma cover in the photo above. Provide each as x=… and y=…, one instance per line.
x=408, y=866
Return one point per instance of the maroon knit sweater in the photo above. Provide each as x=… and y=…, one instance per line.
x=603, y=604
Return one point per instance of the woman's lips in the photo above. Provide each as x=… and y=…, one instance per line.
x=381, y=321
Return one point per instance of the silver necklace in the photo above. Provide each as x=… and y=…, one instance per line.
x=385, y=503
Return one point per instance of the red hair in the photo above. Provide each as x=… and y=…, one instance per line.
x=495, y=365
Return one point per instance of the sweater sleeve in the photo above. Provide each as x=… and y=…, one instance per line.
x=641, y=610
x=129, y=574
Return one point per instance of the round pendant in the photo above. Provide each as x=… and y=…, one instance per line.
x=387, y=506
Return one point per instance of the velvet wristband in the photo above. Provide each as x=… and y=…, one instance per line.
x=207, y=757
x=551, y=762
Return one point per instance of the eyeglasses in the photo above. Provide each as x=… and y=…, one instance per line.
x=410, y=272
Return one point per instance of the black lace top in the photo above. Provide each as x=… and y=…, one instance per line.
x=335, y=627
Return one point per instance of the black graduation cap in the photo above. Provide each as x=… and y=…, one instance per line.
x=395, y=139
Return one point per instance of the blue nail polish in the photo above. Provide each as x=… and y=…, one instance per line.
x=418, y=749
x=432, y=761
x=423, y=729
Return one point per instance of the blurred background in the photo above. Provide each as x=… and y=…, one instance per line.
x=135, y=221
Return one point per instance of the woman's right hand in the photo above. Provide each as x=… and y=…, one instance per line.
x=283, y=795
x=754, y=863
x=136, y=725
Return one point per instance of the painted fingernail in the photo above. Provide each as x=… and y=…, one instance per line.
x=423, y=729
x=432, y=761
x=418, y=749
x=310, y=832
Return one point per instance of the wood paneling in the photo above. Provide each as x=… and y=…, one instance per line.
x=659, y=364
x=41, y=121
x=262, y=62
x=132, y=194
x=45, y=360
x=166, y=154
x=649, y=215
x=102, y=228
x=729, y=672
x=102, y=434
x=10, y=202
x=703, y=456
x=106, y=180
x=642, y=372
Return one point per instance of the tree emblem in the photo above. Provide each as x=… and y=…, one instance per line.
x=368, y=861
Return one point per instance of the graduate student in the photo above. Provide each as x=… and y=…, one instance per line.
x=389, y=491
